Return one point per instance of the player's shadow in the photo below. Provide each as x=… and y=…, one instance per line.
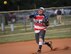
x=65, y=48
x=57, y=49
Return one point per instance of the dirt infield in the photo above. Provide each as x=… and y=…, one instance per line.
x=62, y=46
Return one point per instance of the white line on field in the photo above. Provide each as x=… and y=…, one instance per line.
x=16, y=34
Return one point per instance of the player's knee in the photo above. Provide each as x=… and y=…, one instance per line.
x=40, y=39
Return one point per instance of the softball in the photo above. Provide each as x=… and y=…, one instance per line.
x=5, y=2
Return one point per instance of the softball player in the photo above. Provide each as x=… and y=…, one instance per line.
x=40, y=24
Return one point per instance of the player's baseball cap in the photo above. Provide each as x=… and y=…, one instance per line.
x=41, y=8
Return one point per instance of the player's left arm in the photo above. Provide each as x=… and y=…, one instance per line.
x=46, y=21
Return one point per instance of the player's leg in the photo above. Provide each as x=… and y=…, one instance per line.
x=42, y=39
x=49, y=44
x=39, y=42
x=37, y=38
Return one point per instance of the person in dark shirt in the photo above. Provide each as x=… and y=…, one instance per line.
x=59, y=16
x=12, y=17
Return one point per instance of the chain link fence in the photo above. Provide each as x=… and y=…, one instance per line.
x=18, y=21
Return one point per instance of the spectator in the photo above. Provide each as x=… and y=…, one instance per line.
x=12, y=17
x=59, y=16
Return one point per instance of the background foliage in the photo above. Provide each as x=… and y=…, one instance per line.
x=30, y=4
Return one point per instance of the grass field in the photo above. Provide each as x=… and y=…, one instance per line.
x=61, y=31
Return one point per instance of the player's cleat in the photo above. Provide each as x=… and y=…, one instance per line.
x=38, y=52
x=49, y=44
